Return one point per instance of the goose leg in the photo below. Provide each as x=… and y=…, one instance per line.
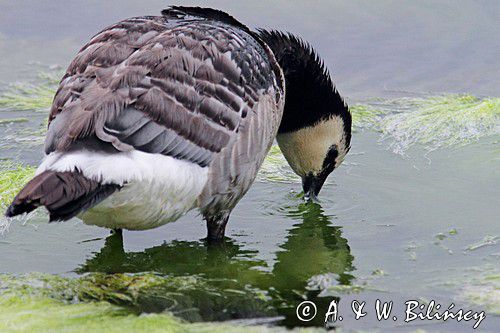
x=117, y=232
x=114, y=242
x=216, y=227
x=115, y=239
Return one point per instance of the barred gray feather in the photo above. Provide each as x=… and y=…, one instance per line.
x=195, y=87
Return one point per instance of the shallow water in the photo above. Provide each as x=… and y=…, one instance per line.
x=411, y=214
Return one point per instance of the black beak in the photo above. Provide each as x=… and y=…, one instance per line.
x=312, y=184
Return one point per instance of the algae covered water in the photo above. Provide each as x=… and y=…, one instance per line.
x=411, y=215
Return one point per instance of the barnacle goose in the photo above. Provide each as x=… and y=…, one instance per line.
x=158, y=115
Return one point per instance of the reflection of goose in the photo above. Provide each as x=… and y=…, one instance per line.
x=159, y=115
x=313, y=247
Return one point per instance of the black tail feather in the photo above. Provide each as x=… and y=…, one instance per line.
x=64, y=194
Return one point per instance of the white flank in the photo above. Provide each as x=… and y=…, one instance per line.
x=156, y=189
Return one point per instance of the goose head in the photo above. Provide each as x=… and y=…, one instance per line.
x=315, y=131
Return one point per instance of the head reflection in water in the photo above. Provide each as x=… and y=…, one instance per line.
x=204, y=283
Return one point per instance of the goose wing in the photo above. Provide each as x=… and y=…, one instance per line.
x=177, y=85
x=233, y=171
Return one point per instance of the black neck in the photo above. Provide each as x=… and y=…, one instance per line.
x=310, y=93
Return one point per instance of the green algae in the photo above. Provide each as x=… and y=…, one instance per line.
x=29, y=103
x=23, y=314
x=440, y=236
x=192, y=298
x=275, y=168
x=36, y=96
x=13, y=120
x=47, y=303
x=487, y=240
x=431, y=121
x=13, y=176
x=482, y=289
x=365, y=116
x=477, y=286
x=485, y=294
x=452, y=120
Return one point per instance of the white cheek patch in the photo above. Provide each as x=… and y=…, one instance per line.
x=306, y=149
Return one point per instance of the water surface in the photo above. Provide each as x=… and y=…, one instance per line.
x=403, y=218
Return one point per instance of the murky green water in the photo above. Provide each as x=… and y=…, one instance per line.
x=412, y=214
